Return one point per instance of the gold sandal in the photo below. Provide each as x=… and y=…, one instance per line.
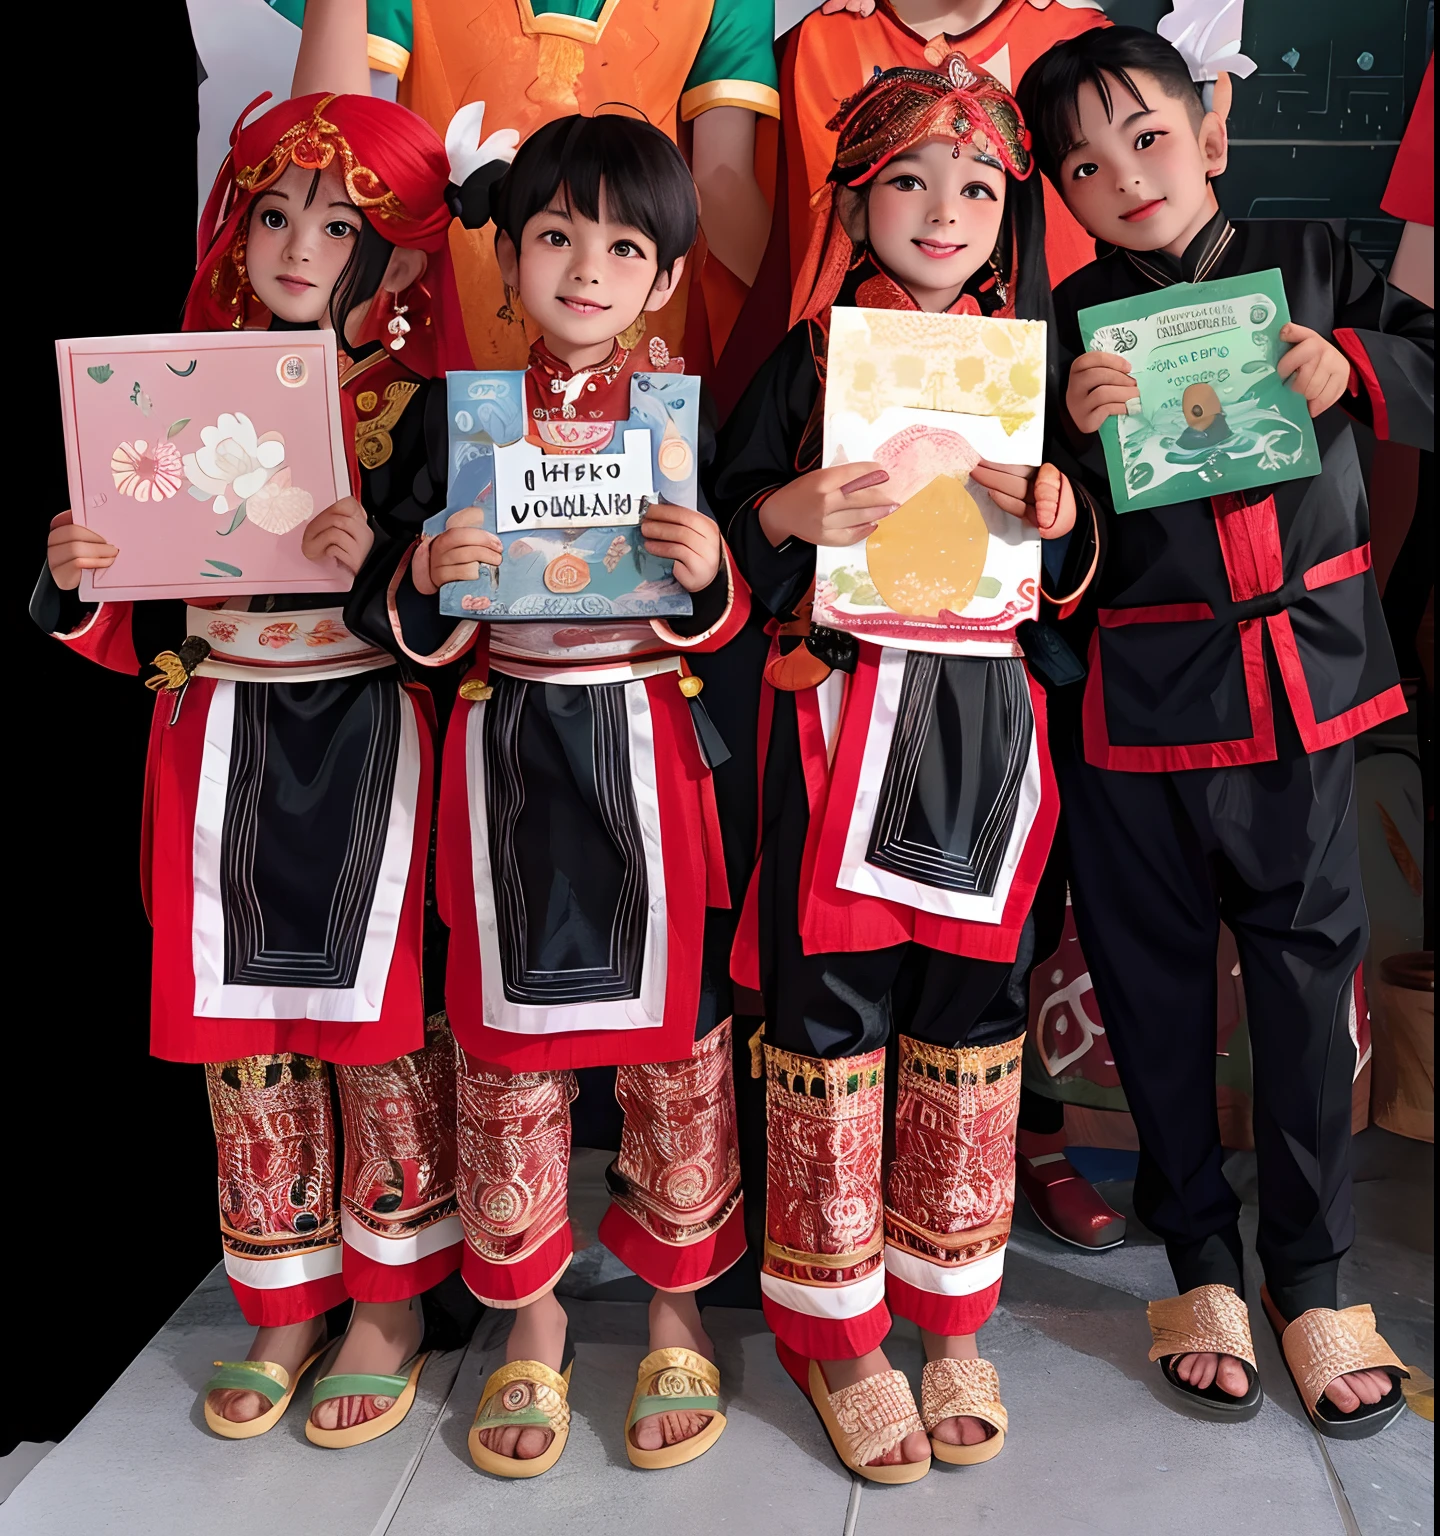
x=675, y=1380
x=868, y=1419
x=263, y=1376
x=970, y=1389
x=1322, y=1344
x=524, y=1394
x=1208, y=1320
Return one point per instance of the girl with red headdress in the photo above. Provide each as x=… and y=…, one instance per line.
x=933, y=764
x=289, y=788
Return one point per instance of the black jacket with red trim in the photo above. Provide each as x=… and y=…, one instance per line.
x=1190, y=598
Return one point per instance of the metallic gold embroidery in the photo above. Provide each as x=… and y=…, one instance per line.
x=876, y=1414
x=1210, y=1318
x=678, y=1171
x=1322, y=1344
x=950, y=1192
x=373, y=443
x=824, y=1121
x=954, y=1389
x=514, y=1149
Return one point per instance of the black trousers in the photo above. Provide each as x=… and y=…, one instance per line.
x=845, y=1004
x=1157, y=860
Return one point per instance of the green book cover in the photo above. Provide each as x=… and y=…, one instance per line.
x=1213, y=415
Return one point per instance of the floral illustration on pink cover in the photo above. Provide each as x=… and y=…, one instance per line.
x=147, y=471
x=243, y=474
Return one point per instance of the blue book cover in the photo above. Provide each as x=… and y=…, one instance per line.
x=568, y=516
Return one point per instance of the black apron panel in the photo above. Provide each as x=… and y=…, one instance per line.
x=952, y=781
x=307, y=806
x=566, y=855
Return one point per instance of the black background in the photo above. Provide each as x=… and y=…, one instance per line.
x=111, y=1158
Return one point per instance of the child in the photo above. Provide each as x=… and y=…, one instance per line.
x=1239, y=648
x=579, y=845
x=933, y=208
x=288, y=805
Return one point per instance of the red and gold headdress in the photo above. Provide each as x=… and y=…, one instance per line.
x=904, y=107
x=893, y=112
x=396, y=172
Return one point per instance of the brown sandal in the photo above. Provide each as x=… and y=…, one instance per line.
x=1211, y=1319
x=969, y=1389
x=1322, y=1344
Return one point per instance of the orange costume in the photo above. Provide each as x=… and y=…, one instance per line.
x=827, y=58
x=535, y=60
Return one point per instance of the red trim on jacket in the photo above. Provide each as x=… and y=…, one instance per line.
x=1319, y=734
x=1354, y=349
x=727, y=626
x=1159, y=613
x=1352, y=563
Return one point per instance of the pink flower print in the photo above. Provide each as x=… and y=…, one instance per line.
x=474, y=604
x=147, y=471
x=619, y=548
x=326, y=632
x=279, y=634
x=221, y=630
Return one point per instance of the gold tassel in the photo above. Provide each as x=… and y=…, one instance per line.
x=173, y=673
x=757, y=1053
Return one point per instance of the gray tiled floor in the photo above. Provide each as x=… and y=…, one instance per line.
x=1095, y=1446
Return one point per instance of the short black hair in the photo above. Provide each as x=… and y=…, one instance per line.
x=647, y=183
x=1050, y=90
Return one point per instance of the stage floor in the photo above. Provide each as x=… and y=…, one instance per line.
x=1095, y=1446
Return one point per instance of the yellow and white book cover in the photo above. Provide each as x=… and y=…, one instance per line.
x=927, y=397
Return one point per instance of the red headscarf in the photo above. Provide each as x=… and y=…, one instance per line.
x=395, y=171
x=893, y=112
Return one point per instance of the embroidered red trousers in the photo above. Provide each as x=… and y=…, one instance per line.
x=847, y=1240
x=291, y=1251
x=675, y=1215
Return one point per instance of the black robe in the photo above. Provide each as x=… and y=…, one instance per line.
x=1268, y=583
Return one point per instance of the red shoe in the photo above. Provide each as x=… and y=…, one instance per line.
x=1066, y=1205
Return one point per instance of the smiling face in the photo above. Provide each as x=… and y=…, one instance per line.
x=301, y=236
x=1139, y=172
x=583, y=281
x=932, y=218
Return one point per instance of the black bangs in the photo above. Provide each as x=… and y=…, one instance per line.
x=1105, y=57
x=646, y=182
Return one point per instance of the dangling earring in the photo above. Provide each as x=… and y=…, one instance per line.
x=1002, y=288
x=631, y=336
x=510, y=311
x=399, y=326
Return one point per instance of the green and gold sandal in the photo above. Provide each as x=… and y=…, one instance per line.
x=524, y=1394
x=397, y=1392
x=675, y=1381
x=271, y=1381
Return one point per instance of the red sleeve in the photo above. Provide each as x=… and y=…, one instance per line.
x=104, y=636
x=1410, y=193
x=726, y=627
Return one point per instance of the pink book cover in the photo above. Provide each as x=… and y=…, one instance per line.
x=201, y=456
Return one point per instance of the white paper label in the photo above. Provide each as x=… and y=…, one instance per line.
x=554, y=490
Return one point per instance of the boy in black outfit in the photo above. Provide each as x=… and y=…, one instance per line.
x=1237, y=647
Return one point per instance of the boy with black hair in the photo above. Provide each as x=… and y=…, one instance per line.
x=579, y=843
x=1237, y=648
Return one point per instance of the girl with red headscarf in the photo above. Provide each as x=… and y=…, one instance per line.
x=289, y=786
x=907, y=810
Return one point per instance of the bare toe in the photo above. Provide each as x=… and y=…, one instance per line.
x=1230, y=1376
x=915, y=1446
x=531, y=1443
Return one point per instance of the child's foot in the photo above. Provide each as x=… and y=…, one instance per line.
x=845, y=1373
x=959, y=1430
x=289, y=1347
x=538, y=1333
x=674, y=1324
x=381, y=1337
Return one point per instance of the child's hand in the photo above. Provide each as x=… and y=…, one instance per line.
x=838, y=506
x=861, y=8
x=341, y=530
x=1315, y=368
x=1100, y=384
x=457, y=554
x=72, y=548
x=1041, y=497
x=690, y=539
